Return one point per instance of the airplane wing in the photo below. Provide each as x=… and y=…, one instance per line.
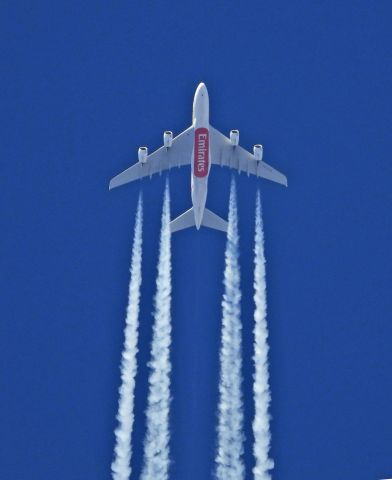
x=223, y=153
x=177, y=155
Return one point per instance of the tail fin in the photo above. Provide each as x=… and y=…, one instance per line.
x=187, y=220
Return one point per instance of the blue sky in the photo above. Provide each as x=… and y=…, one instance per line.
x=82, y=86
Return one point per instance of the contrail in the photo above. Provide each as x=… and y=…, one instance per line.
x=261, y=389
x=121, y=468
x=156, y=444
x=229, y=462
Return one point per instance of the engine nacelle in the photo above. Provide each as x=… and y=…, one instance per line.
x=234, y=137
x=143, y=154
x=167, y=139
x=258, y=152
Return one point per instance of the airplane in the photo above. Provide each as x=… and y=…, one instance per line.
x=199, y=146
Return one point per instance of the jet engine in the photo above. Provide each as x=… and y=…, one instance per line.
x=258, y=152
x=167, y=139
x=234, y=137
x=143, y=153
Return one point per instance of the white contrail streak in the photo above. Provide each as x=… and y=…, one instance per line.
x=229, y=462
x=121, y=468
x=156, y=444
x=261, y=389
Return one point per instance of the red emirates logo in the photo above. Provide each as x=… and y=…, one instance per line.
x=200, y=166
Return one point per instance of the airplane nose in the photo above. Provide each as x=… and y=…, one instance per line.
x=201, y=88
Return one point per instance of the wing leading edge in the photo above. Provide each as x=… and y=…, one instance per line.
x=226, y=155
x=177, y=155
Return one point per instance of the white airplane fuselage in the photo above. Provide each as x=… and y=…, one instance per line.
x=198, y=141
x=201, y=154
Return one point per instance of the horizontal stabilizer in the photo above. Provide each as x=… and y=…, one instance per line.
x=212, y=220
x=186, y=220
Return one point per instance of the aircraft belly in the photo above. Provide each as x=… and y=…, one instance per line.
x=199, y=197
